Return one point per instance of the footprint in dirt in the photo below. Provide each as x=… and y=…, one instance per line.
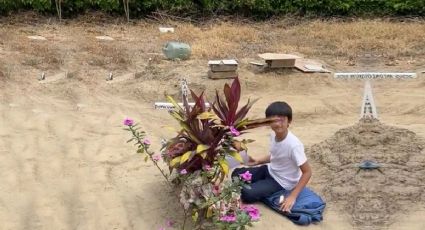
x=375, y=171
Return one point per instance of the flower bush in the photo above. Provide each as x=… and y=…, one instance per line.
x=196, y=158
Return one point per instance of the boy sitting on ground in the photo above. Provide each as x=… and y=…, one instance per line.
x=286, y=166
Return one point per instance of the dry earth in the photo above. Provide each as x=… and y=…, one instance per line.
x=64, y=163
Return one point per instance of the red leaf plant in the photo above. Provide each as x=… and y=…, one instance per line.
x=206, y=134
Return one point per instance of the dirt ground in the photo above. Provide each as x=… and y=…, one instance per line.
x=373, y=197
x=65, y=164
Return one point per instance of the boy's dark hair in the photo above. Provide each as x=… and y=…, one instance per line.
x=279, y=108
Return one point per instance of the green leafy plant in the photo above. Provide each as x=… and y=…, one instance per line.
x=41, y=6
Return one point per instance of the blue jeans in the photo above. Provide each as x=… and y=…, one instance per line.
x=262, y=184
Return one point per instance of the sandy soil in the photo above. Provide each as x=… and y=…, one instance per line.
x=373, y=197
x=65, y=164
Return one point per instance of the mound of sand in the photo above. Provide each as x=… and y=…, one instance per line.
x=373, y=197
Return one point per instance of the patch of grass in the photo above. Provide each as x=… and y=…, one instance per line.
x=221, y=40
x=362, y=36
x=5, y=73
x=312, y=38
x=39, y=54
x=107, y=54
x=33, y=61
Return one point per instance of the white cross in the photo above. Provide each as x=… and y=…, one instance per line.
x=368, y=104
x=185, y=92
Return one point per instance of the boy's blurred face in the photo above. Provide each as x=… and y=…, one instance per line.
x=280, y=126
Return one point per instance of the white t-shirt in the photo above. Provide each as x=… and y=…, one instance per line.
x=286, y=158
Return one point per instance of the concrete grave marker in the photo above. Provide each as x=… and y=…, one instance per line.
x=220, y=69
x=279, y=60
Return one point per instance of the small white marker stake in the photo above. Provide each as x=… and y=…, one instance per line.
x=110, y=77
x=40, y=38
x=42, y=77
x=104, y=38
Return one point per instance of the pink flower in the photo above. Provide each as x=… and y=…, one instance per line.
x=156, y=157
x=207, y=167
x=246, y=176
x=234, y=131
x=183, y=172
x=252, y=211
x=170, y=223
x=228, y=218
x=216, y=190
x=254, y=216
x=128, y=122
x=146, y=142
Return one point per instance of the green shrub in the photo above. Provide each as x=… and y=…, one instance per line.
x=107, y=5
x=9, y=5
x=412, y=7
x=250, y=8
x=41, y=6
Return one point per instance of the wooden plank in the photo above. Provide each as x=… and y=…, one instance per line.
x=310, y=66
x=257, y=63
x=279, y=60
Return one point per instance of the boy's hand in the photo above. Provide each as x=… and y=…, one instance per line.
x=288, y=203
x=252, y=162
